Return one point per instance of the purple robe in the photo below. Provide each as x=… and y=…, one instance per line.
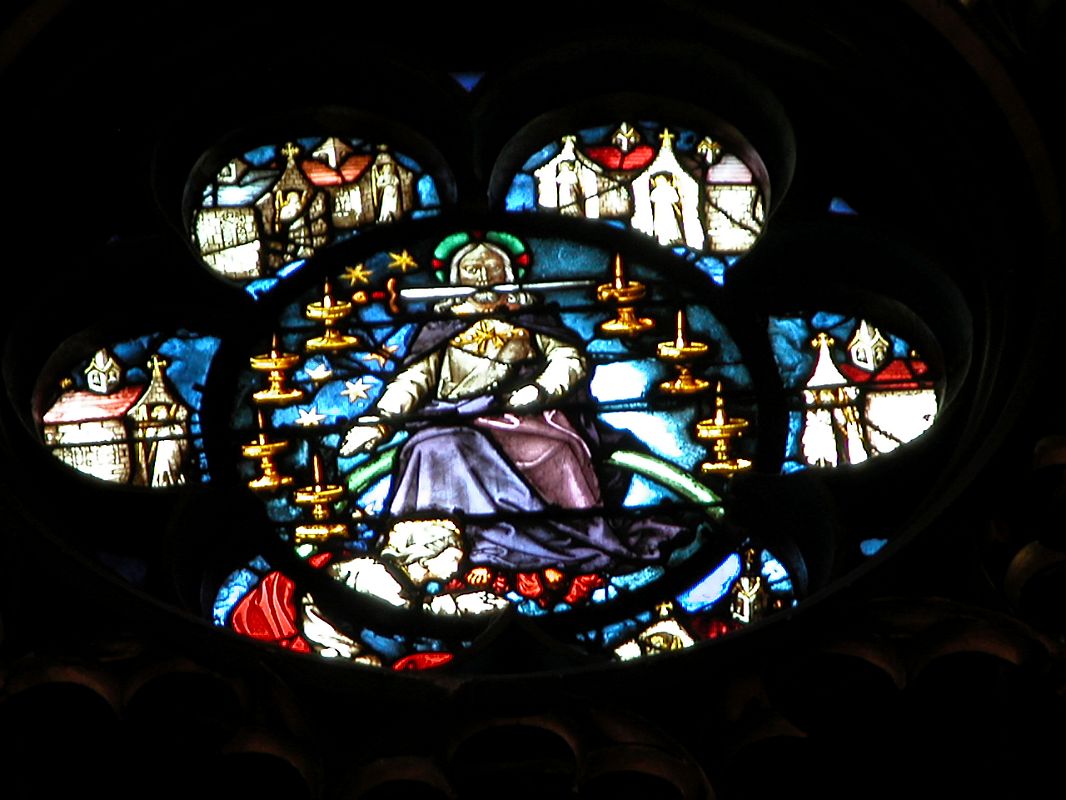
x=523, y=485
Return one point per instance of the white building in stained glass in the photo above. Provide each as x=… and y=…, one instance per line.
x=666, y=200
x=134, y=434
x=832, y=429
x=734, y=206
x=570, y=182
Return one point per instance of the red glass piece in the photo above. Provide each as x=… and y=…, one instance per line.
x=582, y=587
x=855, y=374
x=430, y=660
x=710, y=628
x=324, y=175
x=500, y=585
x=529, y=584
x=267, y=613
x=900, y=373
x=612, y=157
x=89, y=406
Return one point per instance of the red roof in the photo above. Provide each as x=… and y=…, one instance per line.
x=902, y=373
x=855, y=374
x=324, y=175
x=612, y=157
x=89, y=406
x=899, y=373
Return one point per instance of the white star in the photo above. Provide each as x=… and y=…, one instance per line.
x=309, y=418
x=355, y=390
x=319, y=372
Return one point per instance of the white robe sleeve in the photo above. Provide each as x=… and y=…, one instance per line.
x=410, y=387
x=564, y=369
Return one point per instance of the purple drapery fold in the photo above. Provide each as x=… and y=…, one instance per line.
x=487, y=473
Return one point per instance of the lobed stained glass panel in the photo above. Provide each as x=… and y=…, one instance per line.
x=689, y=191
x=130, y=414
x=272, y=207
x=856, y=391
x=745, y=587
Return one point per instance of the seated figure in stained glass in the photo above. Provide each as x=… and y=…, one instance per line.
x=493, y=394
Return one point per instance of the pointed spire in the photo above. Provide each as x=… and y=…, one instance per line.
x=825, y=370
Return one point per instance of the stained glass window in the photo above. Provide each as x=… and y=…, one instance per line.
x=549, y=419
x=828, y=557
x=475, y=426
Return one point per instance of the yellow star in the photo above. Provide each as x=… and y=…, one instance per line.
x=357, y=274
x=382, y=355
x=402, y=261
x=355, y=390
x=482, y=336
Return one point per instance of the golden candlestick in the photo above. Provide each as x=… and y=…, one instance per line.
x=624, y=293
x=680, y=352
x=721, y=430
x=329, y=311
x=319, y=496
x=276, y=364
x=270, y=477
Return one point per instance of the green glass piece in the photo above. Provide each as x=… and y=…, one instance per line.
x=449, y=245
x=667, y=474
x=365, y=474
